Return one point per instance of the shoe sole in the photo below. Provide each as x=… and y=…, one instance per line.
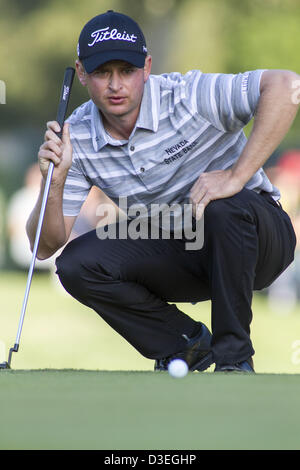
x=204, y=363
x=235, y=370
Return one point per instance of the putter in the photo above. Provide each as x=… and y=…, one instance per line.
x=61, y=114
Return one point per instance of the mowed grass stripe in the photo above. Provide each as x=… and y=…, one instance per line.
x=68, y=409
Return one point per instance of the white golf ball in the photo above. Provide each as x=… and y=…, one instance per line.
x=178, y=368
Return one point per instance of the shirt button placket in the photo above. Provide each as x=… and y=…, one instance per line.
x=132, y=149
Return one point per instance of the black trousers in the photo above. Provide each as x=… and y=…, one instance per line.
x=248, y=241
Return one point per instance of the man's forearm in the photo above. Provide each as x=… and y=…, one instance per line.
x=53, y=234
x=274, y=116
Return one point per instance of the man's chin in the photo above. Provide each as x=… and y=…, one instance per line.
x=116, y=110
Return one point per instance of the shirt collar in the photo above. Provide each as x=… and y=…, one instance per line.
x=99, y=136
x=149, y=113
x=148, y=117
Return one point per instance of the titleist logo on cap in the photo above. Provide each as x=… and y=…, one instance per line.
x=106, y=34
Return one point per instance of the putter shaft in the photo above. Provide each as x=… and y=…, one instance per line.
x=15, y=348
x=62, y=109
x=35, y=249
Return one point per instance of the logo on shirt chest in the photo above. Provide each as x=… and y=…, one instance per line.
x=178, y=150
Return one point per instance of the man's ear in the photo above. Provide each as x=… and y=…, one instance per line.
x=81, y=73
x=147, y=67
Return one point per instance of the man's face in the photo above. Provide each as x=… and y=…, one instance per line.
x=116, y=87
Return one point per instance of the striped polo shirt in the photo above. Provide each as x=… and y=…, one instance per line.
x=187, y=124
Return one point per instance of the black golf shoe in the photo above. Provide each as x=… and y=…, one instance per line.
x=197, y=354
x=244, y=366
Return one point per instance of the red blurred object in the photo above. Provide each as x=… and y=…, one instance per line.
x=290, y=162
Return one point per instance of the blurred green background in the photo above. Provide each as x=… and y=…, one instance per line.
x=38, y=40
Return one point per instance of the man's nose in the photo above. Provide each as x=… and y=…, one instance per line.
x=115, y=82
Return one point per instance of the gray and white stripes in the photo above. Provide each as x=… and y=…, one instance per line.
x=188, y=124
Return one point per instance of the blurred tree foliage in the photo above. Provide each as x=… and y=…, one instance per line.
x=38, y=39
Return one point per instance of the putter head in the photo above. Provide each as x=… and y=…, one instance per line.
x=4, y=365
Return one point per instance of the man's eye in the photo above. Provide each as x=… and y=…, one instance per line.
x=99, y=72
x=129, y=70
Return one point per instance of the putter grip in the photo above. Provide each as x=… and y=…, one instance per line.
x=64, y=97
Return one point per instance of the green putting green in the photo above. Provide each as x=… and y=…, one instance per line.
x=118, y=402
x=68, y=409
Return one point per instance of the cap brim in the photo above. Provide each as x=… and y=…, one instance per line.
x=135, y=58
